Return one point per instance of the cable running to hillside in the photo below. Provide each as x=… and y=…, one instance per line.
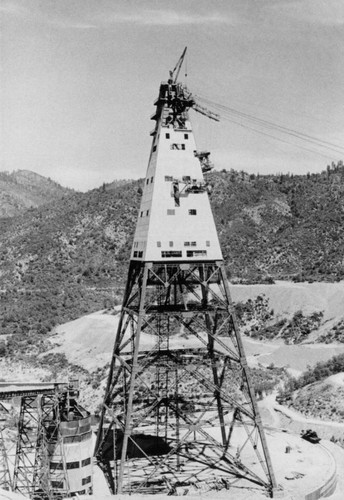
x=229, y=113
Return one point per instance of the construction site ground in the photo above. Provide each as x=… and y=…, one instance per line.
x=301, y=471
x=88, y=341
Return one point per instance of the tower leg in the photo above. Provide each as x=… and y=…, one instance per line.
x=134, y=370
x=258, y=421
x=179, y=401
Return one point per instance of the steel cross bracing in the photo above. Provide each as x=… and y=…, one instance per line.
x=38, y=440
x=24, y=466
x=179, y=402
x=50, y=478
x=5, y=476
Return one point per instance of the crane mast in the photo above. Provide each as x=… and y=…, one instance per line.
x=183, y=98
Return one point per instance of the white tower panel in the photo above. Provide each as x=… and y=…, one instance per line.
x=175, y=221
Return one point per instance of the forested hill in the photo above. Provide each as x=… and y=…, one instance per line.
x=282, y=226
x=70, y=257
x=24, y=189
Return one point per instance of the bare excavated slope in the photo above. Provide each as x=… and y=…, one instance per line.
x=88, y=341
x=285, y=298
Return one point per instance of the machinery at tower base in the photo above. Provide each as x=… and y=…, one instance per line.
x=179, y=407
x=54, y=448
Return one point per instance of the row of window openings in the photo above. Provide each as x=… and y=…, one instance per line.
x=171, y=211
x=185, y=178
x=174, y=253
x=186, y=243
x=186, y=136
x=169, y=178
x=175, y=145
x=60, y=485
x=178, y=253
x=70, y=465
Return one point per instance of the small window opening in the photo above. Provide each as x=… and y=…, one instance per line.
x=186, y=136
x=57, y=484
x=152, y=179
x=73, y=465
x=147, y=181
x=207, y=243
x=176, y=193
x=192, y=211
x=171, y=253
x=196, y=253
x=141, y=214
x=170, y=243
x=56, y=465
x=147, y=213
x=154, y=149
x=168, y=178
x=167, y=136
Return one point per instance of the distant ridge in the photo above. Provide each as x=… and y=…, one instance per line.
x=24, y=189
x=69, y=257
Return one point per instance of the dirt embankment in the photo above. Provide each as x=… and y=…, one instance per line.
x=286, y=298
x=88, y=341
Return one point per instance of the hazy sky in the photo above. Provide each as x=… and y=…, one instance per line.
x=79, y=77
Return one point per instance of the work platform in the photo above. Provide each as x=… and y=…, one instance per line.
x=9, y=390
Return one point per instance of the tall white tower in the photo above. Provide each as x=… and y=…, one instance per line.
x=175, y=220
x=178, y=404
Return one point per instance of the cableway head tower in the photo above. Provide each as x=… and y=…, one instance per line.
x=178, y=404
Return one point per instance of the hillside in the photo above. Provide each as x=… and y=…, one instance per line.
x=24, y=189
x=282, y=226
x=69, y=257
x=66, y=258
x=319, y=391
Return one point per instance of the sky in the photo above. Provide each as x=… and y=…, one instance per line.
x=79, y=77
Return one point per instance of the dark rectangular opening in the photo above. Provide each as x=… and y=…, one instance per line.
x=73, y=465
x=196, y=253
x=171, y=253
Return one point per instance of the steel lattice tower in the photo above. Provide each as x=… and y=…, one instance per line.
x=179, y=407
x=38, y=436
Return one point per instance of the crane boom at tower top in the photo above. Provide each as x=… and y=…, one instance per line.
x=183, y=98
x=175, y=72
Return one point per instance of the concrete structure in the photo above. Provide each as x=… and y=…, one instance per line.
x=76, y=448
x=54, y=444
